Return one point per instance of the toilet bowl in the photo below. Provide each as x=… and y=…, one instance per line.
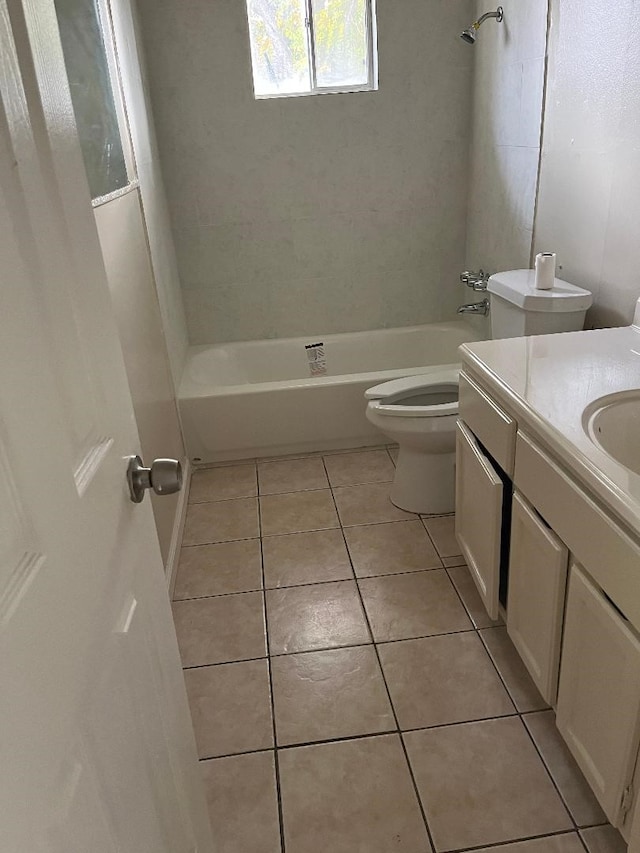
x=420, y=413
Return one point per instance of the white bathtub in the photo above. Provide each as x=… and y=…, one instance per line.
x=258, y=398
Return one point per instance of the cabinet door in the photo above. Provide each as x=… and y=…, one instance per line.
x=537, y=583
x=479, y=516
x=599, y=693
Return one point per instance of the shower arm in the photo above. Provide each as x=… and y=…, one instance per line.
x=498, y=15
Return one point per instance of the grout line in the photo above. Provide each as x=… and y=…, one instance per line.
x=254, y=496
x=521, y=840
x=223, y=663
x=236, y=754
x=549, y=773
x=393, y=709
x=313, y=530
x=276, y=761
x=342, y=739
x=312, y=583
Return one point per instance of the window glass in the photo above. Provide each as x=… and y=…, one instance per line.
x=340, y=38
x=92, y=95
x=279, y=46
x=299, y=47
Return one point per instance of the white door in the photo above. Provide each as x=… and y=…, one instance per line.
x=479, y=493
x=96, y=746
x=598, y=711
x=538, y=563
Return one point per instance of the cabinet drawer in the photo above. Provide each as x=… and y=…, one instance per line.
x=537, y=583
x=599, y=692
x=479, y=492
x=495, y=428
x=608, y=554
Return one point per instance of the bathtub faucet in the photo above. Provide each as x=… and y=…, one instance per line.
x=475, y=308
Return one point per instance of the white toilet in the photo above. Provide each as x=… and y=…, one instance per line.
x=420, y=412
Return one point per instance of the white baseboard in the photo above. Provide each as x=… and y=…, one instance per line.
x=178, y=529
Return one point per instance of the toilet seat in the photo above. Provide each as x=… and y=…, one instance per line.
x=387, y=398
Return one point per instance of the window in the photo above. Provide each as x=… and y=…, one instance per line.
x=95, y=92
x=304, y=47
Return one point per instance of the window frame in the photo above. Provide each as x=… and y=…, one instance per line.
x=372, y=58
x=109, y=41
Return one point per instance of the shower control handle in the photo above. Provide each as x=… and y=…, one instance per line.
x=164, y=477
x=476, y=280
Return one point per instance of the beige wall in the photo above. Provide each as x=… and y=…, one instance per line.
x=126, y=257
x=315, y=214
x=589, y=203
x=505, y=149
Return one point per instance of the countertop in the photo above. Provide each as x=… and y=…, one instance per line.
x=547, y=381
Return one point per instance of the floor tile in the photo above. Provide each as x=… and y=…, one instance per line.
x=390, y=548
x=297, y=512
x=442, y=530
x=603, y=839
x=368, y=466
x=221, y=521
x=468, y=592
x=493, y=771
x=218, y=569
x=518, y=682
x=292, y=475
x=568, y=842
x=219, y=484
x=230, y=707
x=350, y=796
x=242, y=801
x=401, y=607
x=440, y=680
x=322, y=616
x=215, y=630
x=367, y=504
x=574, y=790
x=302, y=558
x=333, y=694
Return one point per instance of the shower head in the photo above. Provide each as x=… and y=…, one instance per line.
x=469, y=35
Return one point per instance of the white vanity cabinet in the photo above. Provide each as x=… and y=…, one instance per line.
x=598, y=711
x=576, y=629
x=538, y=564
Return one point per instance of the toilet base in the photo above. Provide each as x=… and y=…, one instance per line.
x=424, y=482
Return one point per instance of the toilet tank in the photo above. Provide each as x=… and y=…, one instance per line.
x=517, y=308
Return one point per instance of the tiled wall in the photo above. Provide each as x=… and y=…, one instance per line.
x=320, y=214
x=152, y=185
x=589, y=204
x=505, y=150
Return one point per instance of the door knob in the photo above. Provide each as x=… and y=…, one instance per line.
x=164, y=477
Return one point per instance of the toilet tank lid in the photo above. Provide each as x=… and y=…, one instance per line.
x=519, y=288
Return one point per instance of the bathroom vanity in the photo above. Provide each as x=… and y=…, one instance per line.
x=548, y=519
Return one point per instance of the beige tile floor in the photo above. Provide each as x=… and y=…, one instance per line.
x=348, y=691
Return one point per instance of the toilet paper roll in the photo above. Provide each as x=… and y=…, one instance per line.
x=545, y=270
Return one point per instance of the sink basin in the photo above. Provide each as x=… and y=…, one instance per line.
x=613, y=424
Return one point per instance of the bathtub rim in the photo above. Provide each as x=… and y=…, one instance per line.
x=190, y=388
